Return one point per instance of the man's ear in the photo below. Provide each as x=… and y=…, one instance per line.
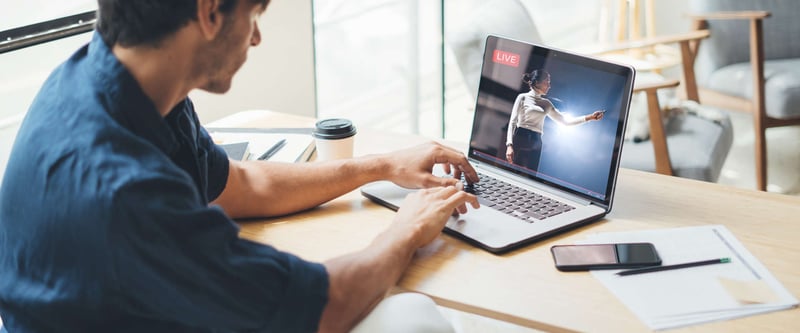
x=209, y=18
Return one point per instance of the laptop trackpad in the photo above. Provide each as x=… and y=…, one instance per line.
x=489, y=227
x=386, y=193
x=502, y=231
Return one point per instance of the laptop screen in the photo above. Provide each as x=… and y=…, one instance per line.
x=551, y=116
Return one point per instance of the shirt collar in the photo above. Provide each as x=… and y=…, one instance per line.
x=534, y=93
x=127, y=102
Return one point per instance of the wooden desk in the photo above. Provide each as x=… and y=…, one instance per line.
x=523, y=287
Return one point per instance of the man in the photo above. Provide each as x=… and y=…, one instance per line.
x=116, y=207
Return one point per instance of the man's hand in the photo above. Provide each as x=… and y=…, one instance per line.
x=425, y=212
x=411, y=168
x=358, y=281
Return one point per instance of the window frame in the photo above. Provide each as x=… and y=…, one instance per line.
x=46, y=31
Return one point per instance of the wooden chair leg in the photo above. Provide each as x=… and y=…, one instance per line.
x=760, y=147
x=759, y=101
x=658, y=135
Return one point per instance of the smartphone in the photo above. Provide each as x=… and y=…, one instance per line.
x=571, y=258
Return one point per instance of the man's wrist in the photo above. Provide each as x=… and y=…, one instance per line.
x=384, y=166
x=372, y=167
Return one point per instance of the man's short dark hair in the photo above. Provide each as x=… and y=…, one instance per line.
x=147, y=22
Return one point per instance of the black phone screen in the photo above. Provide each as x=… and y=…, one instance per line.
x=604, y=256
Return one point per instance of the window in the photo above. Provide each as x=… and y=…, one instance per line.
x=379, y=63
x=399, y=64
x=17, y=14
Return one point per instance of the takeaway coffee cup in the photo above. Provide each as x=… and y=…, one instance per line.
x=334, y=138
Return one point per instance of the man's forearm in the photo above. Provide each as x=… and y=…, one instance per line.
x=360, y=280
x=272, y=189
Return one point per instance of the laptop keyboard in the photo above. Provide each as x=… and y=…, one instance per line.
x=514, y=200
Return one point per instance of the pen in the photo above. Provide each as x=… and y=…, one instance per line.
x=676, y=266
x=272, y=150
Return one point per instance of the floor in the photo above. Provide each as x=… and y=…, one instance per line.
x=783, y=157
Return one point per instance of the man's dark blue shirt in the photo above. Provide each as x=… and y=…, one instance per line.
x=105, y=223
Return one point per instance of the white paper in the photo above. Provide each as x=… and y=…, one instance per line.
x=296, y=144
x=686, y=296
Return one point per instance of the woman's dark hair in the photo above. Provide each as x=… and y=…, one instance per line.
x=147, y=22
x=535, y=76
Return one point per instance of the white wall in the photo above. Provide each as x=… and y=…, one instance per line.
x=21, y=74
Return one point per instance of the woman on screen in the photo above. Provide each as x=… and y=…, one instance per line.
x=525, y=127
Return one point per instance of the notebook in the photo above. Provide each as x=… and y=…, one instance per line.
x=238, y=151
x=577, y=164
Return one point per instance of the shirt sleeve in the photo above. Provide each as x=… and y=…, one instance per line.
x=512, y=121
x=218, y=165
x=179, y=262
x=562, y=119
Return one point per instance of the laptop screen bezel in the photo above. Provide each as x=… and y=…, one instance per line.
x=579, y=60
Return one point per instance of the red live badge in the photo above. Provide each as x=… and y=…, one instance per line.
x=505, y=58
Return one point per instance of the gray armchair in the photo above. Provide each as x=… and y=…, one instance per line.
x=751, y=63
x=687, y=141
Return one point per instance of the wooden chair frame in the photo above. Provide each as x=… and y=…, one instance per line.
x=757, y=105
x=687, y=43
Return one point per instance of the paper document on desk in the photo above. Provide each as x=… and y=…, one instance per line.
x=299, y=147
x=680, y=297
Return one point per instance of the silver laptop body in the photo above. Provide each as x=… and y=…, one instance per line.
x=577, y=164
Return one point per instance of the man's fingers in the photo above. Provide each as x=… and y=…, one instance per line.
x=453, y=150
x=472, y=200
x=443, y=181
x=446, y=190
x=452, y=158
x=447, y=169
x=460, y=167
x=469, y=173
x=459, y=199
x=449, y=199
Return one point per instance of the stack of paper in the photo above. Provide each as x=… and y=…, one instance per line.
x=681, y=297
x=299, y=146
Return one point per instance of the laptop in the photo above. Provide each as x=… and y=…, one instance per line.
x=572, y=183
